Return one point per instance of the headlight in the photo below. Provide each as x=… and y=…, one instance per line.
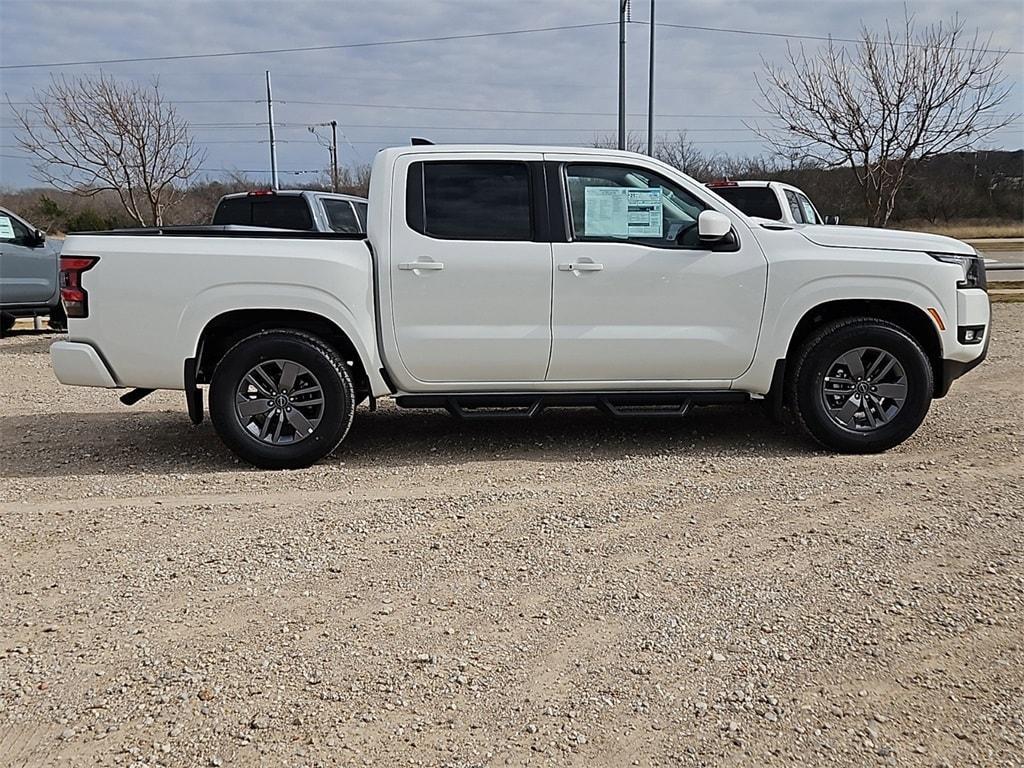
x=973, y=268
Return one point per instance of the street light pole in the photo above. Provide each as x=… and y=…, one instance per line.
x=650, y=90
x=334, y=155
x=623, y=12
x=273, y=145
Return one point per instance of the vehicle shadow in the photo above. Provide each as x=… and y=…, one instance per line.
x=162, y=442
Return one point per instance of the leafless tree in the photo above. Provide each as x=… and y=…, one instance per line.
x=683, y=154
x=887, y=104
x=90, y=134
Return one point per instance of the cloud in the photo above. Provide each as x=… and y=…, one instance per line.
x=565, y=71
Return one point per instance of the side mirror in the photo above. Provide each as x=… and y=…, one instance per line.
x=40, y=237
x=713, y=226
x=831, y=219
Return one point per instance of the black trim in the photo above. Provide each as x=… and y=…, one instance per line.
x=530, y=404
x=133, y=396
x=954, y=369
x=193, y=395
x=776, y=396
x=387, y=380
x=557, y=205
x=539, y=210
x=229, y=230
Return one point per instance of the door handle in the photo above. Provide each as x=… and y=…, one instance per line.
x=582, y=266
x=424, y=265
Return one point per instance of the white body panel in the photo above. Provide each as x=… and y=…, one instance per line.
x=501, y=316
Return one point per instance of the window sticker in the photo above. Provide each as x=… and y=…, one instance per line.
x=6, y=228
x=622, y=212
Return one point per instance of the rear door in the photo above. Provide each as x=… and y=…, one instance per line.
x=470, y=269
x=28, y=271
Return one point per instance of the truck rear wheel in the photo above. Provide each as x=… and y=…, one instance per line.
x=281, y=399
x=861, y=385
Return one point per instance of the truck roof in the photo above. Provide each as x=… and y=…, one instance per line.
x=294, y=193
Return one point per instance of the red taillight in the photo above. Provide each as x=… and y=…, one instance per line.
x=72, y=294
x=723, y=183
x=261, y=192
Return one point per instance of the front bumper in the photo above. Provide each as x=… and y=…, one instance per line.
x=80, y=365
x=973, y=311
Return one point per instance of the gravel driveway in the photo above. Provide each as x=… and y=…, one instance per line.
x=569, y=591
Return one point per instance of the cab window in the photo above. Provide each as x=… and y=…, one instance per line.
x=810, y=215
x=627, y=204
x=794, y=207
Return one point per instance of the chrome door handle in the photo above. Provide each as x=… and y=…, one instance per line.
x=424, y=265
x=582, y=266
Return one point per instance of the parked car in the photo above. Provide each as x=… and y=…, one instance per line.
x=293, y=209
x=771, y=200
x=28, y=273
x=516, y=279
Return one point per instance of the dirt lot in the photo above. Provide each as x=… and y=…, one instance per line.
x=571, y=591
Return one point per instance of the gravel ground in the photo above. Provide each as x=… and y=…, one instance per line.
x=570, y=591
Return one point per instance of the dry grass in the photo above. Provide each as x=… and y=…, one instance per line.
x=967, y=229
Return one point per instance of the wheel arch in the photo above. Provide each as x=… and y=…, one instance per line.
x=914, y=320
x=228, y=328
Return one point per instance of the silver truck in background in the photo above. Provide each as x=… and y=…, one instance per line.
x=293, y=209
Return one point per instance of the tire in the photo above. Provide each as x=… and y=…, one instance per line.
x=6, y=322
x=859, y=409
x=58, y=318
x=300, y=431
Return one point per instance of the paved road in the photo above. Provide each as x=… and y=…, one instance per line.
x=1003, y=257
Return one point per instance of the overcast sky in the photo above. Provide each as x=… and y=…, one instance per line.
x=698, y=73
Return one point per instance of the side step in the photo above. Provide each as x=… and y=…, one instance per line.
x=526, y=405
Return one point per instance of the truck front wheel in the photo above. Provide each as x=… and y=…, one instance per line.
x=861, y=385
x=281, y=399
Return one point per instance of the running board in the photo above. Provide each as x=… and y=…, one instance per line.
x=527, y=405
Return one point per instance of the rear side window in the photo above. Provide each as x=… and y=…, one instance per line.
x=341, y=217
x=753, y=201
x=469, y=201
x=361, y=213
x=234, y=210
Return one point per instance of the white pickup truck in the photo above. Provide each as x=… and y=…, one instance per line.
x=502, y=280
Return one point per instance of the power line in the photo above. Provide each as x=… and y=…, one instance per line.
x=306, y=48
x=828, y=38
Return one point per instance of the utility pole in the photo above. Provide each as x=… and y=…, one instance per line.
x=623, y=13
x=273, y=146
x=650, y=91
x=334, y=155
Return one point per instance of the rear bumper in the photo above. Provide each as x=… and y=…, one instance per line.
x=80, y=364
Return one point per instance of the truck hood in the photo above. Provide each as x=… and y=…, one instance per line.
x=883, y=239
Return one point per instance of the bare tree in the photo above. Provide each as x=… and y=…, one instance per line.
x=683, y=154
x=894, y=100
x=90, y=134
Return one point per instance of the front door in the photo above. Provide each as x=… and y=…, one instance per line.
x=28, y=270
x=470, y=274
x=636, y=296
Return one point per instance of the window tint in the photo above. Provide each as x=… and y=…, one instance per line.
x=470, y=201
x=810, y=215
x=753, y=201
x=281, y=211
x=234, y=210
x=794, y=207
x=618, y=202
x=341, y=217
